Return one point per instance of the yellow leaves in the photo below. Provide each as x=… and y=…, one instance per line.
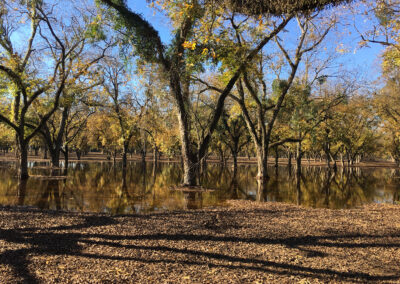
x=188, y=6
x=213, y=54
x=341, y=49
x=362, y=43
x=189, y=45
x=260, y=21
x=205, y=51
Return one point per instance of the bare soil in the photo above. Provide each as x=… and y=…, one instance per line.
x=246, y=242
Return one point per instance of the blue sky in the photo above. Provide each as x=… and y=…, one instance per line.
x=366, y=60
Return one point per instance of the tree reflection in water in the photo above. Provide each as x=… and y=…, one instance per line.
x=104, y=187
x=51, y=193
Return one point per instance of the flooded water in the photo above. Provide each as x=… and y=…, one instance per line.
x=100, y=187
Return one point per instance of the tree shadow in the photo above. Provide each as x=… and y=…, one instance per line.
x=67, y=240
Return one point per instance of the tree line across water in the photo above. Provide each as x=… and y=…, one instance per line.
x=235, y=78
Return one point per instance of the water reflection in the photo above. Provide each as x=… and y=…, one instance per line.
x=145, y=187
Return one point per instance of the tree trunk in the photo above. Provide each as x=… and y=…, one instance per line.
x=45, y=152
x=189, y=168
x=21, y=193
x=114, y=153
x=262, y=163
x=66, y=157
x=78, y=154
x=276, y=157
x=155, y=155
x=334, y=163
x=298, y=159
x=298, y=184
x=23, y=161
x=125, y=157
x=235, y=166
x=290, y=159
x=55, y=158
x=221, y=156
x=328, y=158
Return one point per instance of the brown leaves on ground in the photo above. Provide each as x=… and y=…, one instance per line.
x=247, y=242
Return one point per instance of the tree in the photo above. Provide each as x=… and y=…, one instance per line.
x=277, y=8
x=175, y=65
x=385, y=27
x=25, y=85
x=125, y=104
x=6, y=141
x=260, y=109
x=37, y=76
x=234, y=135
x=386, y=103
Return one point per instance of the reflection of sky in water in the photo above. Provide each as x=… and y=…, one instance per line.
x=100, y=187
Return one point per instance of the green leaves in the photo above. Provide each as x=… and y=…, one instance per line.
x=140, y=32
x=278, y=86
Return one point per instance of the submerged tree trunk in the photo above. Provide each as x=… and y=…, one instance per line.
x=78, y=154
x=125, y=156
x=114, y=153
x=234, y=165
x=54, y=144
x=298, y=159
x=66, y=156
x=342, y=160
x=334, y=163
x=55, y=158
x=155, y=155
x=262, y=164
x=189, y=168
x=298, y=184
x=45, y=152
x=221, y=155
x=23, y=161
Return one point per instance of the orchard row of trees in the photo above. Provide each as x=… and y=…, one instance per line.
x=229, y=82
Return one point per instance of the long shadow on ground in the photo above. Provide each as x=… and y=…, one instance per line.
x=58, y=241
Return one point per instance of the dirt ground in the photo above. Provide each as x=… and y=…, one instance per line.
x=246, y=242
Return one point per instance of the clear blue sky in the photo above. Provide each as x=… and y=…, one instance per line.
x=366, y=59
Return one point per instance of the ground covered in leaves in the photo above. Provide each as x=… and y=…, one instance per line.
x=246, y=242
